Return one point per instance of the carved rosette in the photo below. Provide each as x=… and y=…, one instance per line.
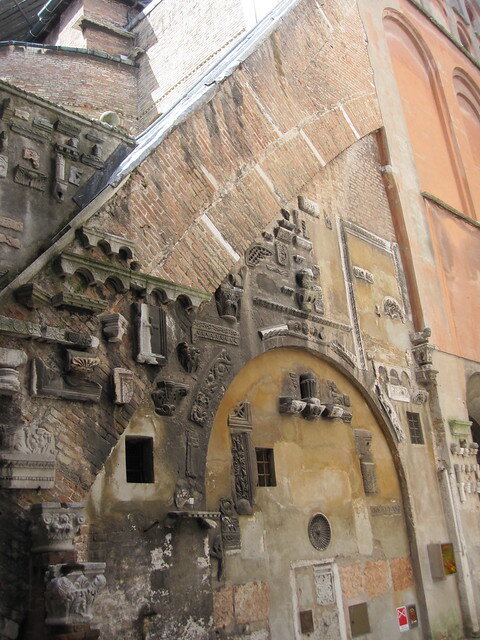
x=55, y=525
x=70, y=592
x=167, y=396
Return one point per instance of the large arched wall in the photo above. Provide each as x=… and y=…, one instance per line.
x=432, y=148
x=317, y=469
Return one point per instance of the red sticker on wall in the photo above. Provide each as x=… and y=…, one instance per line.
x=402, y=619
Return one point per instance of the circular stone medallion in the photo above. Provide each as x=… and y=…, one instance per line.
x=319, y=531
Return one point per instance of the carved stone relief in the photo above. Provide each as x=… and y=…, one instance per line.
x=44, y=333
x=75, y=385
x=123, y=385
x=70, y=592
x=422, y=352
x=392, y=309
x=55, y=525
x=188, y=356
x=243, y=463
x=167, y=396
x=389, y=410
x=212, y=388
x=228, y=299
x=230, y=526
x=324, y=584
x=27, y=458
x=256, y=254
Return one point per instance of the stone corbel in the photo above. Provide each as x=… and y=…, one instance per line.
x=27, y=458
x=10, y=361
x=31, y=296
x=70, y=592
x=114, y=326
x=55, y=525
x=167, y=396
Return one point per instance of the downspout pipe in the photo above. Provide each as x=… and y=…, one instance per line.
x=45, y=16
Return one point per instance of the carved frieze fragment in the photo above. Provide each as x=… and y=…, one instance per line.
x=75, y=301
x=114, y=326
x=55, y=525
x=389, y=410
x=3, y=166
x=362, y=274
x=213, y=332
x=70, y=592
x=193, y=455
x=167, y=396
x=10, y=361
x=123, y=385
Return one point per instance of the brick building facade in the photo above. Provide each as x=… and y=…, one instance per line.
x=239, y=365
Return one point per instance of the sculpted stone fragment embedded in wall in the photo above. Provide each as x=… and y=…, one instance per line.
x=114, y=326
x=70, y=592
x=10, y=361
x=228, y=298
x=363, y=443
x=212, y=388
x=55, y=525
x=331, y=404
x=167, y=396
x=188, y=356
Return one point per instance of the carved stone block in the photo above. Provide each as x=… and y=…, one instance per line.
x=70, y=592
x=31, y=296
x=75, y=301
x=10, y=360
x=55, y=525
x=213, y=332
x=110, y=243
x=256, y=253
x=123, y=385
x=230, y=525
x=193, y=455
x=363, y=442
x=114, y=326
x=392, y=309
x=30, y=178
x=241, y=416
x=74, y=386
x=290, y=406
x=27, y=458
x=167, y=396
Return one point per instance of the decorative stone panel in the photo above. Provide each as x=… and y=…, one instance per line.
x=27, y=458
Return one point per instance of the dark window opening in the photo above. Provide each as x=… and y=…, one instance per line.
x=265, y=468
x=415, y=428
x=139, y=459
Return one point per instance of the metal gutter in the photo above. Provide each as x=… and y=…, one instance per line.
x=45, y=16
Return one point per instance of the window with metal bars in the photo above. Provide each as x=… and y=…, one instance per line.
x=265, y=468
x=415, y=428
x=139, y=459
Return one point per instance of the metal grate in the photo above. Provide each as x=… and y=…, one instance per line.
x=265, y=468
x=415, y=428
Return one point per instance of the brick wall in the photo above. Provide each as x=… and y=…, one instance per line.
x=80, y=82
x=182, y=40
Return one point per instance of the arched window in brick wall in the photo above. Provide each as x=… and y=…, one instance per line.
x=426, y=114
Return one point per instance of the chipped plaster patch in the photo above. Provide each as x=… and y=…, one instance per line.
x=160, y=557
